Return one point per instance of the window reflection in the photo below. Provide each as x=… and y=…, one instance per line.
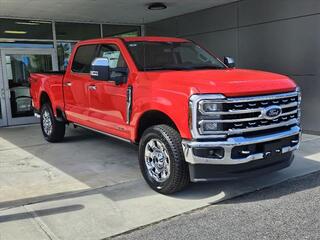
x=64, y=51
x=24, y=44
x=18, y=68
x=77, y=31
x=120, y=30
x=25, y=29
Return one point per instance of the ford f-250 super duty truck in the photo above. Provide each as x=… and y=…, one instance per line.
x=195, y=118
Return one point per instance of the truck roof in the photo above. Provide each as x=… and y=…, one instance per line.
x=154, y=39
x=137, y=39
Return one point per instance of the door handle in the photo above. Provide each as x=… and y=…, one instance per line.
x=92, y=87
x=68, y=84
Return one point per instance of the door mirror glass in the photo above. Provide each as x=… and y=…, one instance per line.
x=229, y=62
x=100, y=69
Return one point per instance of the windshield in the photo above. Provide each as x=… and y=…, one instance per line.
x=153, y=56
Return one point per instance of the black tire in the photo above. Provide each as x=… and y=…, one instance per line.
x=58, y=128
x=178, y=178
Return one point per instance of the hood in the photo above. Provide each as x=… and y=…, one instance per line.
x=230, y=82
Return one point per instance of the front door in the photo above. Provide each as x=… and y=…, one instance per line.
x=17, y=64
x=108, y=101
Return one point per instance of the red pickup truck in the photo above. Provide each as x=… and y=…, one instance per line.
x=196, y=118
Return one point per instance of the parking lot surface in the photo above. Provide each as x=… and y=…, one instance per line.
x=289, y=210
x=90, y=187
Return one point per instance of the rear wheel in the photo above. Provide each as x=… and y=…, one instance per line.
x=162, y=161
x=53, y=130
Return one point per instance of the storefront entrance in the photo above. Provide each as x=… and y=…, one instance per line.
x=15, y=99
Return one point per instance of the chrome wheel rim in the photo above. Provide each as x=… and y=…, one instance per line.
x=47, y=123
x=157, y=160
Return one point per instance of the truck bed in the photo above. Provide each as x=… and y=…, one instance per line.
x=50, y=83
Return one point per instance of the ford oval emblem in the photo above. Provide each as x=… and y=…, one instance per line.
x=272, y=112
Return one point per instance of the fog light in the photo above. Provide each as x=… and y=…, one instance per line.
x=214, y=153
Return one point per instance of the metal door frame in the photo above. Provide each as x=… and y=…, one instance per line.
x=8, y=120
x=3, y=108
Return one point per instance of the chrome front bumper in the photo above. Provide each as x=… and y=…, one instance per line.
x=232, y=142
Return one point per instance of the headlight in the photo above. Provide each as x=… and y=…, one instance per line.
x=298, y=89
x=205, y=110
x=208, y=107
x=208, y=126
x=208, y=112
x=299, y=103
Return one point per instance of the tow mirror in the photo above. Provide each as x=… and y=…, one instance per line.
x=119, y=75
x=100, y=69
x=229, y=62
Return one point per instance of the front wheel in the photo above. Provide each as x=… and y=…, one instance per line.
x=162, y=161
x=53, y=130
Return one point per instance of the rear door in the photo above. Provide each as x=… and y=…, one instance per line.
x=76, y=83
x=108, y=101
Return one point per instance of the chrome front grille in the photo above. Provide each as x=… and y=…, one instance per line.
x=246, y=115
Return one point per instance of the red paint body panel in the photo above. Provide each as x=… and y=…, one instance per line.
x=165, y=91
x=230, y=82
x=50, y=84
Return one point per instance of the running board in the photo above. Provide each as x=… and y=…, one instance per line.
x=107, y=134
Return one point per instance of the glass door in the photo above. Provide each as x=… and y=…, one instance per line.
x=3, y=113
x=17, y=64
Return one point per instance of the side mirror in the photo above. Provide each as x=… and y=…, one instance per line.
x=100, y=69
x=119, y=75
x=229, y=62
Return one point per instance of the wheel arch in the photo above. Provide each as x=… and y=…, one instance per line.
x=44, y=98
x=151, y=118
x=57, y=111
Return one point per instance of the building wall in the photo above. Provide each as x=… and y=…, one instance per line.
x=281, y=36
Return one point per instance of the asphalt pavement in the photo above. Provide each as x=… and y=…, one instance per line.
x=290, y=210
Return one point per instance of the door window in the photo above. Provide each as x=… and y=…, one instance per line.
x=117, y=64
x=113, y=54
x=83, y=59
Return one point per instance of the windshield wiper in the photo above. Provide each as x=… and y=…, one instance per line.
x=175, y=68
x=207, y=67
x=181, y=68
